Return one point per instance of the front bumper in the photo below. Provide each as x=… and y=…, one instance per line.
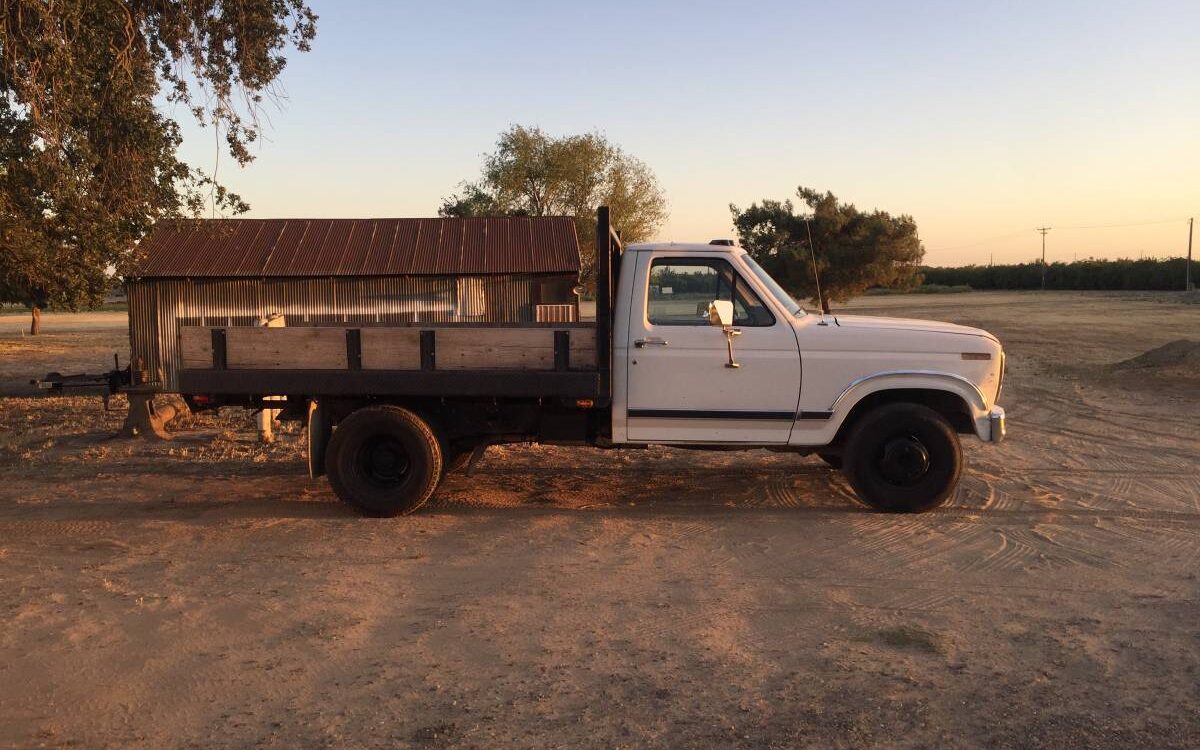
x=998, y=425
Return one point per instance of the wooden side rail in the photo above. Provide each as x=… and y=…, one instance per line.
x=399, y=348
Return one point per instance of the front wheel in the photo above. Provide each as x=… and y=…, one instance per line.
x=384, y=461
x=903, y=458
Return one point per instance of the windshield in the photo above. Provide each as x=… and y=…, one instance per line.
x=783, y=297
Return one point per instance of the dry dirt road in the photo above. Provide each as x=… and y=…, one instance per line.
x=203, y=593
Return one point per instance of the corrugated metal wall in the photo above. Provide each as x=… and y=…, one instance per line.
x=157, y=307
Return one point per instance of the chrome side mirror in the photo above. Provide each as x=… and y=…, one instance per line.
x=720, y=313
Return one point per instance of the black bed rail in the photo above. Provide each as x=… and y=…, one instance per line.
x=579, y=385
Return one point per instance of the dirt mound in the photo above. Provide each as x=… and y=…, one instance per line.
x=1181, y=356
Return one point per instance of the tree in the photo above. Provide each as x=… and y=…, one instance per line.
x=534, y=174
x=87, y=161
x=854, y=250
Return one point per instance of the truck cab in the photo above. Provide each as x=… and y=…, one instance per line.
x=882, y=398
x=775, y=374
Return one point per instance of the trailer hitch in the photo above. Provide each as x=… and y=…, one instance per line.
x=112, y=381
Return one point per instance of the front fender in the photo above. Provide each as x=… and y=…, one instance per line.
x=924, y=379
x=821, y=427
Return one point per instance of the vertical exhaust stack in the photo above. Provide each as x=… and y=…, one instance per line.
x=608, y=269
x=604, y=301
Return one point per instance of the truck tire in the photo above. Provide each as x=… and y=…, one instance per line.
x=384, y=460
x=903, y=458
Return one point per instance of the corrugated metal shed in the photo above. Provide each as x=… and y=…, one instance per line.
x=159, y=306
x=343, y=272
x=260, y=248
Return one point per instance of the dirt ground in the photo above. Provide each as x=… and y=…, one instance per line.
x=203, y=593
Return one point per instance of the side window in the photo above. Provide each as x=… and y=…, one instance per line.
x=748, y=309
x=681, y=288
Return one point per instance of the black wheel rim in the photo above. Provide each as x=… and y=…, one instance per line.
x=904, y=461
x=383, y=462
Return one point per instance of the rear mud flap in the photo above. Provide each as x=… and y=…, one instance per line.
x=319, y=430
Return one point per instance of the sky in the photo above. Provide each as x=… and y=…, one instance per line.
x=982, y=120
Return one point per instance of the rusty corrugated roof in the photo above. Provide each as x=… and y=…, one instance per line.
x=359, y=247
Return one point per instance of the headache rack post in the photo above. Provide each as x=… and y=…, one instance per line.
x=608, y=264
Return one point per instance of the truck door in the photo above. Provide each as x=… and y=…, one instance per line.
x=681, y=387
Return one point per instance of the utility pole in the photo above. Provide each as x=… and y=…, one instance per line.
x=1043, y=230
x=1187, y=274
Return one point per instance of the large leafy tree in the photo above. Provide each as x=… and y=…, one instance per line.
x=534, y=174
x=88, y=156
x=854, y=250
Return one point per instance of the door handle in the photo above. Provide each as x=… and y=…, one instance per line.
x=642, y=343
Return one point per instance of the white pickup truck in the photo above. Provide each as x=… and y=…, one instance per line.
x=693, y=345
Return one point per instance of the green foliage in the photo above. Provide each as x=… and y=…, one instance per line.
x=534, y=174
x=940, y=289
x=922, y=289
x=87, y=162
x=685, y=283
x=1144, y=274
x=854, y=250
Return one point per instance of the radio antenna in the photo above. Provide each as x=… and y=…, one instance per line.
x=812, y=250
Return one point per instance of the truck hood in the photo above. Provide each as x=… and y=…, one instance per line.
x=869, y=322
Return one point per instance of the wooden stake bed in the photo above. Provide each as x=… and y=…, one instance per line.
x=469, y=359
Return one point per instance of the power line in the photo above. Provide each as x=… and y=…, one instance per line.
x=1043, y=230
x=977, y=243
x=1010, y=235
x=1130, y=224
x=1187, y=274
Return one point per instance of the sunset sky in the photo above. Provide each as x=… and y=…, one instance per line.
x=982, y=122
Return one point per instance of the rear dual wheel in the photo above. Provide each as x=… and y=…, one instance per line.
x=384, y=460
x=903, y=458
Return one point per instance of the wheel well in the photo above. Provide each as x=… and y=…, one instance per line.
x=949, y=405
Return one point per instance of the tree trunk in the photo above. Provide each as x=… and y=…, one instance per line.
x=825, y=304
x=35, y=322
x=144, y=418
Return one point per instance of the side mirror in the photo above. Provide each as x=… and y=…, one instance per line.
x=720, y=313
